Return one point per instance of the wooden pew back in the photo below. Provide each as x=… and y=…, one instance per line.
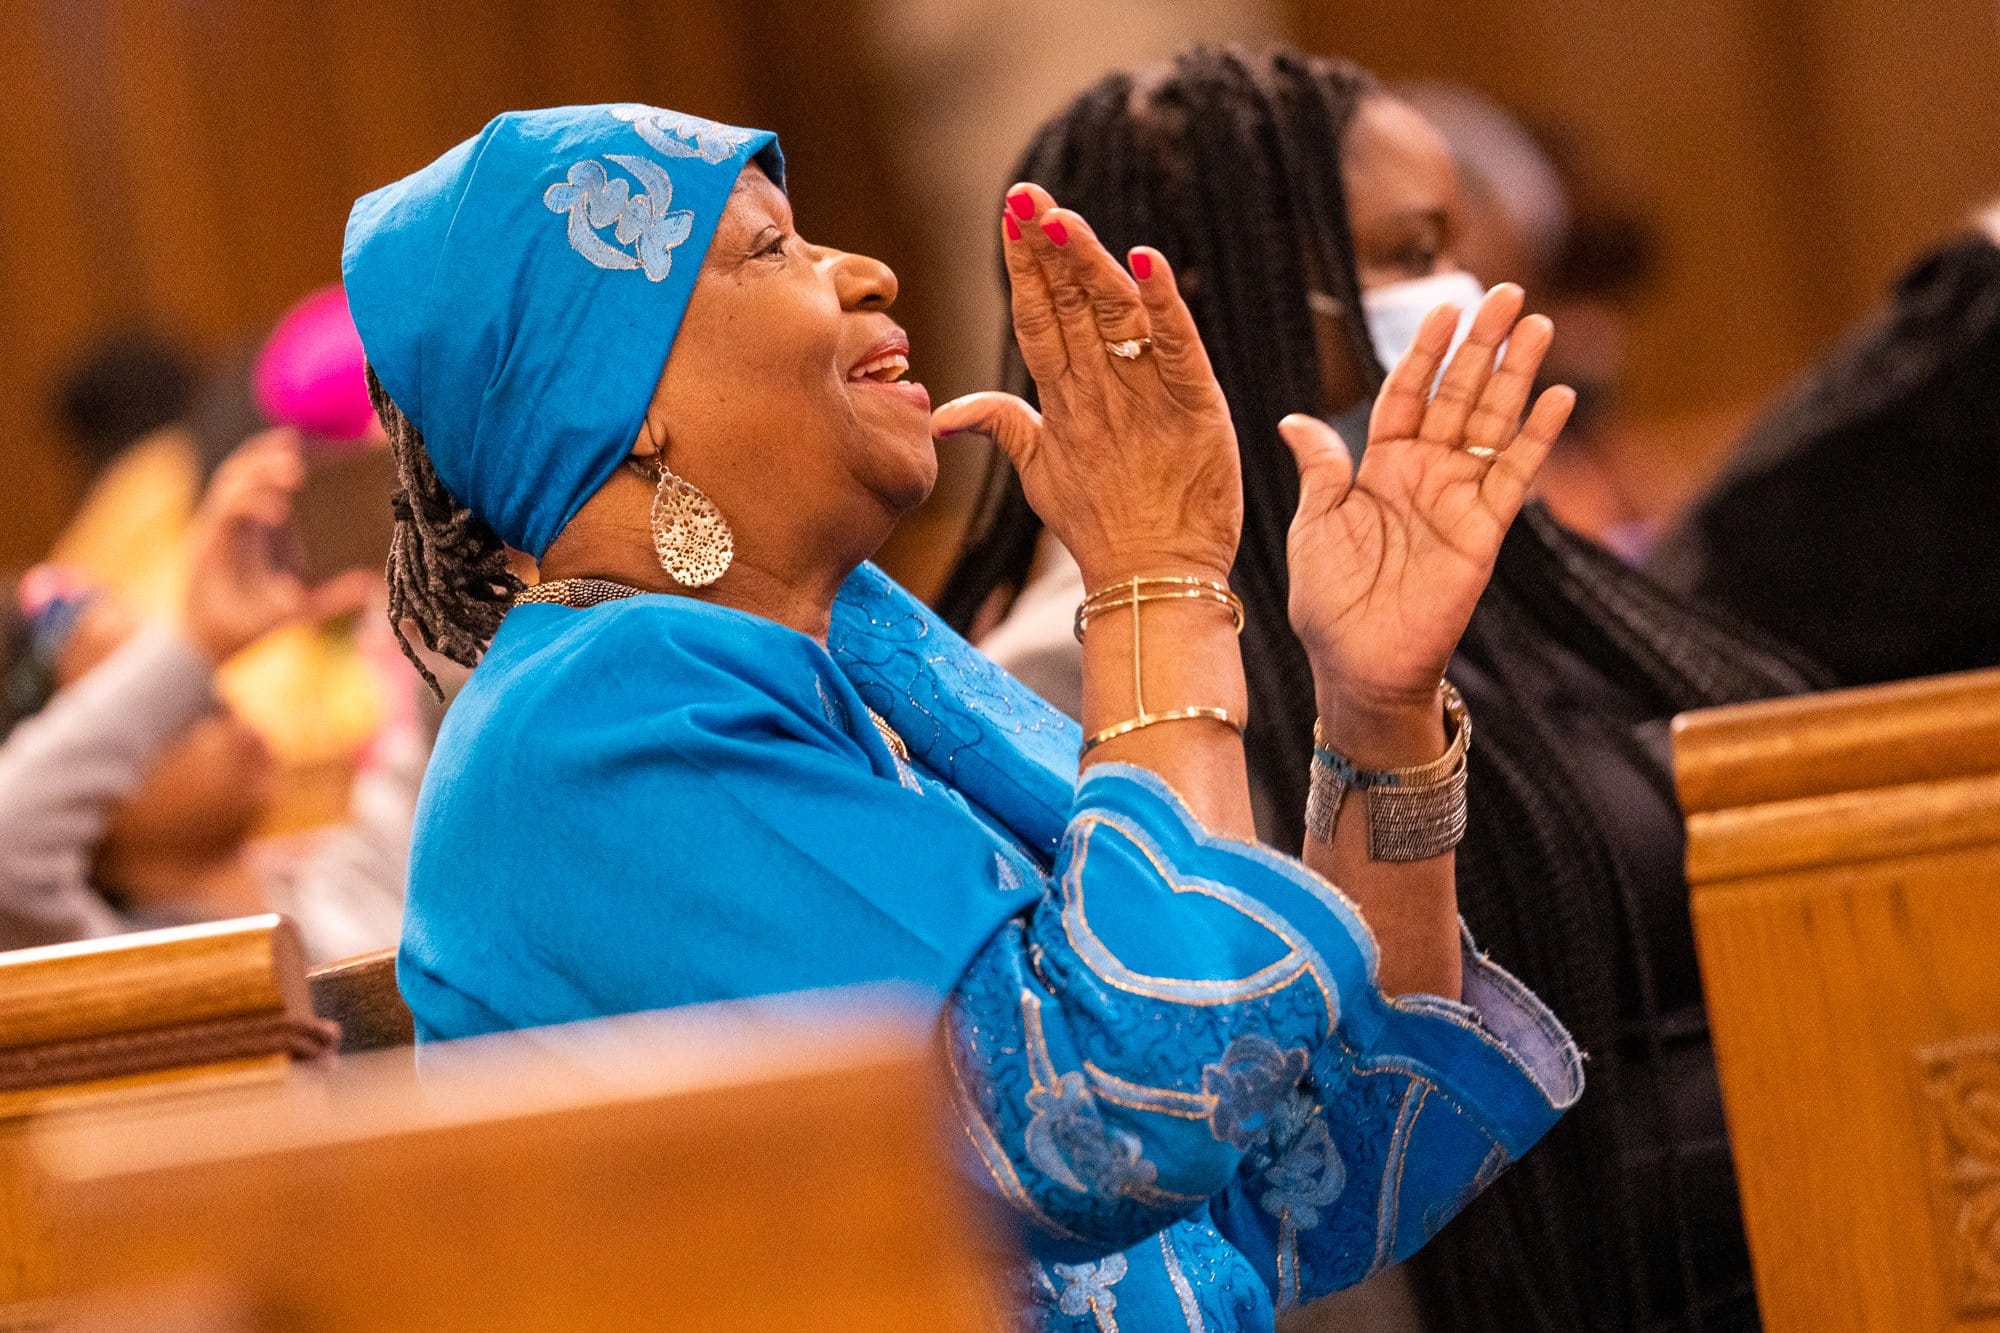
x=360, y=995
x=134, y=1018
x=751, y=1168
x=1844, y=856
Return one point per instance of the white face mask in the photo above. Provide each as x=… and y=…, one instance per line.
x=1394, y=313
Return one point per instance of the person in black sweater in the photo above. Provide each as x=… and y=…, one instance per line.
x=1860, y=519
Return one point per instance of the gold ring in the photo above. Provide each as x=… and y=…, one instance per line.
x=1482, y=452
x=1128, y=350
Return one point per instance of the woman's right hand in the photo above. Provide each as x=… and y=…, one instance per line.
x=1131, y=463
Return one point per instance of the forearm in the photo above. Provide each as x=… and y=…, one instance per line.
x=1186, y=655
x=95, y=741
x=62, y=771
x=1412, y=906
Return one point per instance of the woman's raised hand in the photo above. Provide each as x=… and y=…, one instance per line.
x=1388, y=561
x=1132, y=461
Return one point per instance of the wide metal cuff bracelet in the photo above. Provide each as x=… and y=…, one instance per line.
x=1413, y=813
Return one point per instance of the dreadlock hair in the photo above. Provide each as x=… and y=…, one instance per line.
x=448, y=572
x=1230, y=163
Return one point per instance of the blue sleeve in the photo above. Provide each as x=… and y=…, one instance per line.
x=1398, y=1133
x=1186, y=1018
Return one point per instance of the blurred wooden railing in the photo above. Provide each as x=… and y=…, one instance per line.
x=133, y=1020
x=1844, y=853
x=774, y=1167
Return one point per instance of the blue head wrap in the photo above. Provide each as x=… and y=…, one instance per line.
x=518, y=296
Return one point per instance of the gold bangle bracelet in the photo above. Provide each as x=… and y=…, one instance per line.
x=1136, y=598
x=1136, y=592
x=1089, y=611
x=1145, y=720
x=1131, y=585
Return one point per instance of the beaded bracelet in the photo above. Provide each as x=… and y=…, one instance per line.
x=1413, y=813
x=1133, y=593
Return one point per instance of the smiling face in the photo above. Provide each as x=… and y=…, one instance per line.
x=784, y=398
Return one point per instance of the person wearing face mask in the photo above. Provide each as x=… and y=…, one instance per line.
x=1312, y=216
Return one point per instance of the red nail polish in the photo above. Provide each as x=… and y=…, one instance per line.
x=1056, y=232
x=1142, y=265
x=1022, y=203
x=1013, y=227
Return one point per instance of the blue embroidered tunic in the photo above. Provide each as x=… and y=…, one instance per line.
x=1169, y=1055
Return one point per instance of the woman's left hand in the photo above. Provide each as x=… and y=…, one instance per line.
x=1387, y=563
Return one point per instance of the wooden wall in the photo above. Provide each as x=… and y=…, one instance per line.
x=192, y=162
x=1796, y=153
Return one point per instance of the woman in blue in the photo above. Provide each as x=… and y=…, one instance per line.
x=713, y=753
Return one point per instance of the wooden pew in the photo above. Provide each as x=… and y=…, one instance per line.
x=1844, y=853
x=359, y=995
x=134, y=1018
x=763, y=1167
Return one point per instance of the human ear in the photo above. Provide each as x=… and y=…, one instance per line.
x=650, y=449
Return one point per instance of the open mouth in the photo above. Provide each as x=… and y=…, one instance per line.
x=886, y=365
x=886, y=368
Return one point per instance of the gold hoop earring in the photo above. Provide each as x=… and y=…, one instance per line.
x=690, y=535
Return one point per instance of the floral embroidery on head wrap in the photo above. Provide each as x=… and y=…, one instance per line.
x=677, y=135
x=594, y=200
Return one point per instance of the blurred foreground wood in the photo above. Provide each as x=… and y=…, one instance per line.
x=133, y=1020
x=1844, y=853
x=768, y=1166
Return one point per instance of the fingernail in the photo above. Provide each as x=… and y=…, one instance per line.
x=1022, y=203
x=1013, y=227
x=1142, y=265
x=1055, y=231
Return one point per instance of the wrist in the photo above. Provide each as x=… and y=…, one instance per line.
x=1381, y=733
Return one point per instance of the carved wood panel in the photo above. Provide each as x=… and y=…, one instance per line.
x=1960, y=1115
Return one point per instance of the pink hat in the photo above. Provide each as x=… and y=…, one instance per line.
x=309, y=372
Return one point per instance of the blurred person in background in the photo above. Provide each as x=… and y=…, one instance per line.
x=123, y=388
x=129, y=792
x=316, y=693
x=1860, y=518
x=127, y=407
x=1315, y=218
x=1531, y=215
